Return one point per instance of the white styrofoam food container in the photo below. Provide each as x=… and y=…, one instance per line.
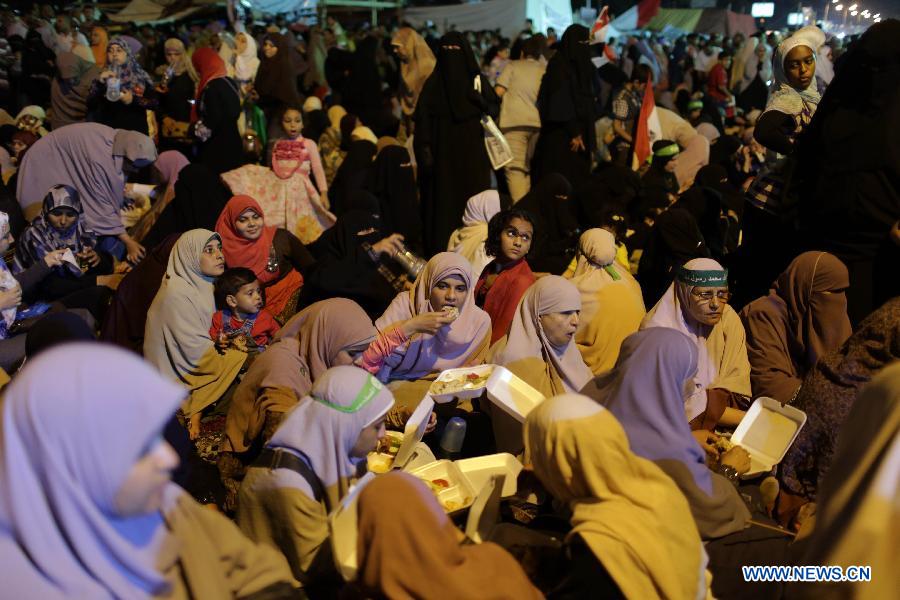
x=766, y=432
x=480, y=469
x=344, y=530
x=459, y=494
x=464, y=394
x=413, y=432
x=511, y=394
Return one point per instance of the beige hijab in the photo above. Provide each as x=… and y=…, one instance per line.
x=415, y=70
x=612, y=306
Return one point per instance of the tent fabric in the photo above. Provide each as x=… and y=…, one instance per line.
x=157, y=11
x=685, y=19
x=692, y=20
x=506, y=15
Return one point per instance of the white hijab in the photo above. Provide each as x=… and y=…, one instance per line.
x=247, y=62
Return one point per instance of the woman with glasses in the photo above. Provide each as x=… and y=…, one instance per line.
x=696, y=304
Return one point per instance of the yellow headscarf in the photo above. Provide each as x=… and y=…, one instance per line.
x=99, y=50
x=626, y=510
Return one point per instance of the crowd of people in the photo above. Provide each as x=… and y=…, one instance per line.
x=237, y=253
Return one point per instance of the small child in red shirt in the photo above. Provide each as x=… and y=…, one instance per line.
x=241, y=322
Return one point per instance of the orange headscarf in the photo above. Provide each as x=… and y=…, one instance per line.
x=238, y=250
x=209, y=65
x=99, y=50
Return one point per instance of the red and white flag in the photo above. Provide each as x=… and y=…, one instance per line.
x=648, y=128
x=599, y=32
x=637, y=16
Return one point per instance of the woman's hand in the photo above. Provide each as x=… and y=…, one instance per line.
x=737, y=458
x=126, y=97
x=706, y=439
x=106, y=75
x=390, y=245
x=429, y=323
x=90, y=256
x=54, y=258
x=134, y=250
x=10, y=298
x=576, y=144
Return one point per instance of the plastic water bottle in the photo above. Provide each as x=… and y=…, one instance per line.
x=452, y=439
x=113, y=89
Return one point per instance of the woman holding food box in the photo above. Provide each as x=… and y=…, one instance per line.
x=309, y=465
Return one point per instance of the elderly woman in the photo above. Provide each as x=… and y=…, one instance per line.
x=88, y=508
x=95, y=160
x=612, y=307
x=696, y=304
x=309, y=465
x=803, y=318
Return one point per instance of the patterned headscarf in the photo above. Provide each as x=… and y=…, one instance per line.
x=130, y=74
x=7, y=282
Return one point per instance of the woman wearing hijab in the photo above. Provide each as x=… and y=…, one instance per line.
x=316, y=54
x=364, y=96
x=632, y=534
x=166, y=170
x=88, y=507
x=848, y=168
x=177, y=92
x=419, y=553
x=246, y=61
x=449, y=141
x=323, y=335
x=354, y=172
x=827, y=395
x=674, y=239
x=857, y=507
x=445, y=286
x=395, y=185
x=696, y=304
x=137, y=94
x=330, y=143
x=539, y=346
x=566, y=104
x=308, y=467
x=612, y=307
x=99, y=42
x=276, y=256
x=756, y=58
x=286, y=192
x=555, y=225
x=416, y=65
x=70, y=88
x=803, y=318
x=94, y=159
x=176, y=339
x=214, y=114
x=276, y=77
x=469, y=240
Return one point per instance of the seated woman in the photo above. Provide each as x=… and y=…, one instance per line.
x=470, y=240
x=644, y=392
x=165, y=171
x=803, y=318
x=539, y=346
x=612, y=307
x=696, y=304
x=632, y=534
x=330, y=143
x=324, y=335
x=89, y=510
x=308, y=467
x=176, y=338
x=61, y=226
x=444, y=285
x=415, y=551
x=504, y=280
x=276, y=256
x=356, y=169
x=827, y=395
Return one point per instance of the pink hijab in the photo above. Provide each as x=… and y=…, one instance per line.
x=453, y=344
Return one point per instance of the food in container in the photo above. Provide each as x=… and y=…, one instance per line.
x=463, y=383
x=451, y=488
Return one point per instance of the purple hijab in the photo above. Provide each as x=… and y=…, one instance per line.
x=645, y=393
x=450, y=347
x=67, y=444
x=89, y=157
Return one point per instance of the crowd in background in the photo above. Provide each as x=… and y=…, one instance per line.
x=282, y=233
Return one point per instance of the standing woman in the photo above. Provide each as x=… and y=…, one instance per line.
x=99, y=42
x=177, y=91
x=215, y=113
x=176, y=338
x=416, y=64
x=276, y=79
x=276, y=256
x=136, y=92
x=566, y=103
x=246, y=61
x=449, y=141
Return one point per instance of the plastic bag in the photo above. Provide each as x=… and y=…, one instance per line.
x=494, y=141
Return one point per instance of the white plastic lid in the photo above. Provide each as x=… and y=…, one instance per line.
x=414, y=431
x=767, y=431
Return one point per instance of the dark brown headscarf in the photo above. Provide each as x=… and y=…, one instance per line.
x=416, y=552
x=277, y=76
x=803, y=318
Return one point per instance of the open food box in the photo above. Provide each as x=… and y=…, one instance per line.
x=766, y=432
x=405, y=449
x=464, y=383
x=511, y=394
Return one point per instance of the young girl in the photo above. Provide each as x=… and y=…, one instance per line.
x=504, y=280
x=292, y=126
x=127, y=108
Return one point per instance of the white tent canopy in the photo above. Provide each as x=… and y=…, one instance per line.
x=506, y=15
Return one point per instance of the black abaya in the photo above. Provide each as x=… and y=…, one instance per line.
x=449, y=140
x=352, y=175
x=220, y=107
x=556, y=229
x=674, y=240
x=395, y=185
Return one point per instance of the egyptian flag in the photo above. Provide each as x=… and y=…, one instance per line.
x=637, y=16
x=647, y=128
x=598, y=36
